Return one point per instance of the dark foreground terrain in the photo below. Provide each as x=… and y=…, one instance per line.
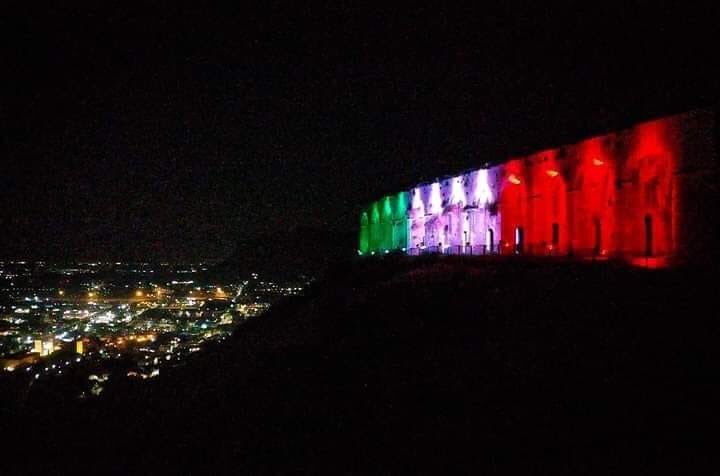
x=429, y=365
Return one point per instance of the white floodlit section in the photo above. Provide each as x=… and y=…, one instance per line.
x=457, y=192
x=416, y=221
x=418, y=207
x=483, y=193
x=435, y=200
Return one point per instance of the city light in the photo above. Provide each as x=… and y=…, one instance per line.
x=51, y=336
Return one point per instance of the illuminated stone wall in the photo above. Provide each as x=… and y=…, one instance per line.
x=383, y=225
x=643, y=194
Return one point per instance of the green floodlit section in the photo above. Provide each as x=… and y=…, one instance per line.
x=383, y=225
x=401, y=222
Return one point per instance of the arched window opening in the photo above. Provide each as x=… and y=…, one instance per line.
x=519, y=239
x=598, y=236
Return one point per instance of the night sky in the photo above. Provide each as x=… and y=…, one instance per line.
x=176, y=133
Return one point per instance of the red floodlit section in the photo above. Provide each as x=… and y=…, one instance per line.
x=606, y=197
x=647, y=183
x=513, y=205
x=548, y=228
x=592, y=198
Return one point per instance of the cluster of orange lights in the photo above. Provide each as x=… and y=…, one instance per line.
x=120, y=341
x=552, y=173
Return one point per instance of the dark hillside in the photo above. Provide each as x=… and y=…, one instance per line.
x=430, y=365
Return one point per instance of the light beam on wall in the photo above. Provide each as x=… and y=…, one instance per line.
x=435, y=201
x=417, y=202
x=457, y=195
x=483, y=193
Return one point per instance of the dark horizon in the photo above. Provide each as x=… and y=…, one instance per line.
x=177, y=133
